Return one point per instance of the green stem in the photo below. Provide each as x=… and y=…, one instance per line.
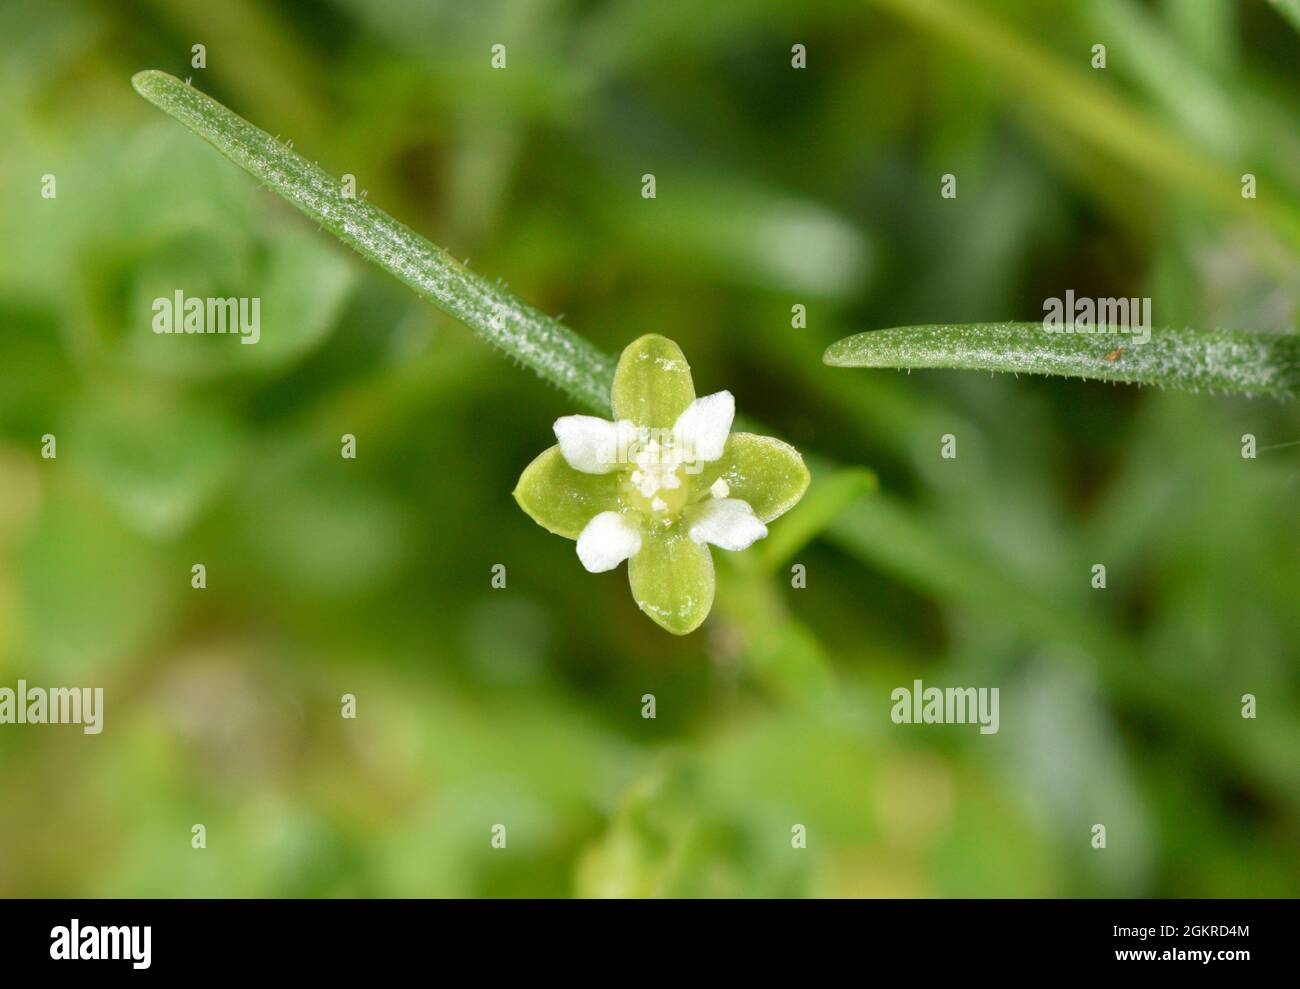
x=537, y=340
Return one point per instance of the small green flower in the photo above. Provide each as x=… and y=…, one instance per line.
x=660, y=483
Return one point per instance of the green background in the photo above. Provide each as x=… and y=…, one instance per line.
x=522, y=706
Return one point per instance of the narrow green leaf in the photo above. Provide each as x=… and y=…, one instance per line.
x=533, y=338
x=1218, y=360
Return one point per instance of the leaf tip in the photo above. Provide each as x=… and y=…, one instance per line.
x=148, y=83
x=839, y=353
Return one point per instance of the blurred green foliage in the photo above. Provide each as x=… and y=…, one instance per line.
x=523, y=706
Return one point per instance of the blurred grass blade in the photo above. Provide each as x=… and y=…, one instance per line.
x=1075, y=102
x=1216, y=360
x=831, y=492
x=1147, y=51
x=783, y=653
x=1290, y=9
x=891, y=536
x=533, y=338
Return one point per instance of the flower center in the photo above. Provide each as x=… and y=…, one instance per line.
x=657, y=484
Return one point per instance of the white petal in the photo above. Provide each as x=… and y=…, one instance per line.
x=727, y=523
x=592, y=445
x=608, y=540
x=701, y=430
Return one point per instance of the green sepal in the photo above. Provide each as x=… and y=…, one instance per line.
x=672, y=578
x=652, y=385
x=561, y=499
x=761, y=470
